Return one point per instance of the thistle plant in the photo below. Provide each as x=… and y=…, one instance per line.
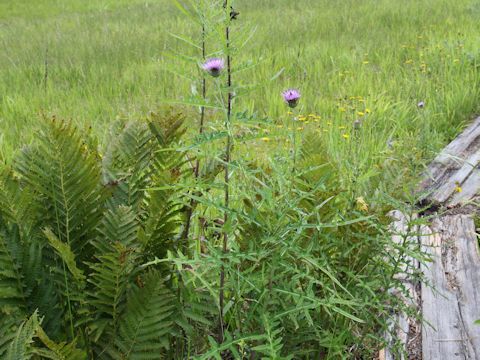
x=210, y=66
x=228, y=149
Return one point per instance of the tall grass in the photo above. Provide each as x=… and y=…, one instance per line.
x=108, y=59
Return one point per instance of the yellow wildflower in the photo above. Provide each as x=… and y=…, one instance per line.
x=365, y=62
x=362, y=204
x=360, y=113
x=266, y=139
x=346, y=136
x=458, y=188
x=367, y=111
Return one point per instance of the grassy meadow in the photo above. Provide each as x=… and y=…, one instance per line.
x=110, y=59
x=249, y=256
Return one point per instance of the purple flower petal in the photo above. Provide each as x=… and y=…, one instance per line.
x=291, y=97
x=214, y=66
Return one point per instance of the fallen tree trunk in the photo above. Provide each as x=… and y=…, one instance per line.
x=449, y=297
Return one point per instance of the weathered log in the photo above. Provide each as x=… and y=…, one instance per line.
x=452, y=177
x=451, y=301
x=450, y=296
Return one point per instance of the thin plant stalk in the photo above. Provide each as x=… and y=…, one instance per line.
x=45, y=73
x=196, y=170
x=294, y=145
x=226, y=167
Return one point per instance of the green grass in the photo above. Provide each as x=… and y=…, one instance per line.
x=108, y=59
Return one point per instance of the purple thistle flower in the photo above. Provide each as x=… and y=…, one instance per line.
x=291, y=97
x=214, y=66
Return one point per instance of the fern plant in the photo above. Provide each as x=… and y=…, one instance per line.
x=75, y=231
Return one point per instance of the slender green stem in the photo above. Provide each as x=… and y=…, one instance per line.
x=294, y=145
x=226, y=167
x=197, y=161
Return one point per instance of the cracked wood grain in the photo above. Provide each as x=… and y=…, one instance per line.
x=455, y=168
x=451, y=302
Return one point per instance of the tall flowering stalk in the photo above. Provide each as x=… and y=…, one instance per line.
x=228, y=149
x=200, y=131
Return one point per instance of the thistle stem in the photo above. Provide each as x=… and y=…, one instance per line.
x=294, y=144
x=196, y=170
x=226, y=167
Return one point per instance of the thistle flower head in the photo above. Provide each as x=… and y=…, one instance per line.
x=214, y=66
x=291, y=97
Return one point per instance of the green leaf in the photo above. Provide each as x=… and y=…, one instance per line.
x=60, y=351
x=147, y=322
x=65, y=253
x=21, y=346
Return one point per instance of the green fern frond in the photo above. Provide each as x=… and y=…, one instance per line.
x=146, y=326
x=166, y=210
x=167, y=128
x=47, y=297
x=126, y=166
x=117, y=253
x=66, y=177
x=21, y=346
x=17, y=205
x=163, y=224
x=58, y=351
x=11, y=280
x=8, y=326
